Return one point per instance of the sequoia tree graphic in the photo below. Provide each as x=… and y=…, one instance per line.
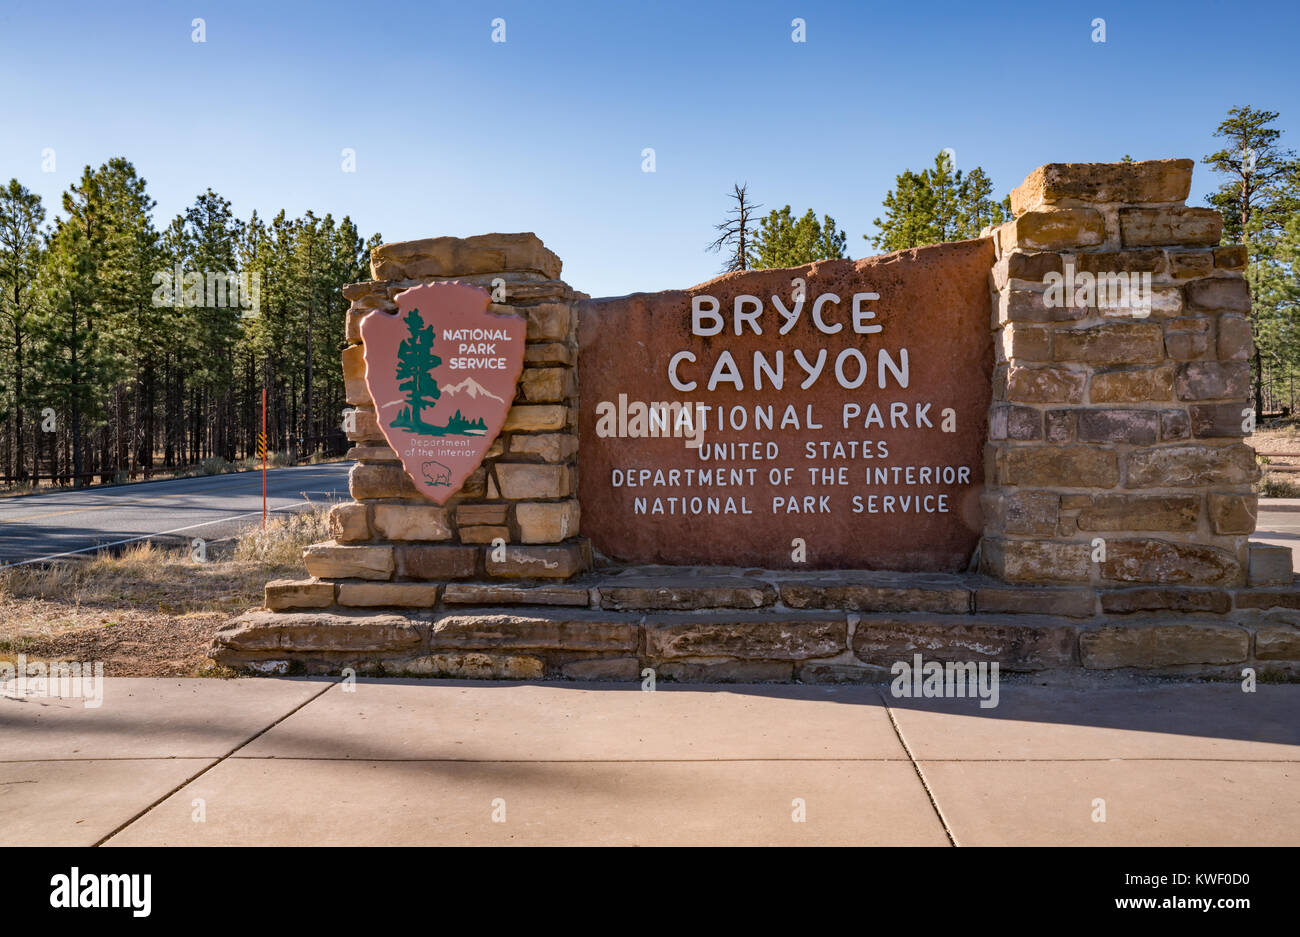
x=415, y=365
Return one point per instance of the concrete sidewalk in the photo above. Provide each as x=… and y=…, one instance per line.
x=306, y=761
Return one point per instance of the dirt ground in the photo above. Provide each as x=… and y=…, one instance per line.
x=148, y=612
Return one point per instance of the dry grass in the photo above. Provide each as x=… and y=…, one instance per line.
x=147, y=611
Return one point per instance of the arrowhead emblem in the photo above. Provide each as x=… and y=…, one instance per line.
x=442, y=373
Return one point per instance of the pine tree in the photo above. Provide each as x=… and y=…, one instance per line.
x=1257, y=201
x=21, y=218
x=937, y=205
x=782, y=241
x=415, y=364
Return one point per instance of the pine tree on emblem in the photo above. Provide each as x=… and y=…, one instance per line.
x=415, y=364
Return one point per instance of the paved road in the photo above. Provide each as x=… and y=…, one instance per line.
x=393, y=762
x=1279, y=524
x=39, y=527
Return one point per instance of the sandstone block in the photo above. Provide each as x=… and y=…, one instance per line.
x=1061, y=425
x=1054, y=229
x=1025, y=642
x=1025, y=265
x=561, y=628
x=1032, y=306
x=1186, y=346
x=373, y=481
x=1045, y=385
x=1110, y=343
x=1150, y=260
x=1219, y=294
x=1230, y=257
x=1138, y=427
x=366, y=427
x=1035, y=560
x=450, y=256
x=549, y=447
x=1175, y=424
x=1070, y=602
x=1209, y=380
x=469, y=515
x=620, y=669
x=1025, y=343
x=1132, y=385
x=371, y=454
x=1145, y=181
x=540, y=353
x=1161, y=227
x=547, y=522
x=1187, y=264
x=1065, y=467
x=1160, y=561
x=532, y=418
x=411, y=522
x=1140, y=512
x=1216, y=420
x=388, y=594
x=747, y=671
x=354, y=375
x=1183, y=599
x=677, y=593
x=1021, y=423
x=436, y=562
x=320, y=631
x=773, y=636
x=500, y=593
x=1235, y=343
x=549, y=322
x=1190, y=466
x=546, y=385
x=524, y=480
x=1278, y=639
x=348, y=522
x=330, y=560
x=560, y=561
x=878, y=592
x=484, y=534
x=292, y=593
x=1026, y=513
x=1145, y=646
x=1233, y=513
x=1270, y=565
x=475, y=665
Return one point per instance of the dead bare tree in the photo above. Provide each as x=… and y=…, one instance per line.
x=735, y=231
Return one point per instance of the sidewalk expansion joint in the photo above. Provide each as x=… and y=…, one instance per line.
x=920, y=773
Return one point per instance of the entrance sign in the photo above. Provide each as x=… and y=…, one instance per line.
x=827, y=416
x=442, y=373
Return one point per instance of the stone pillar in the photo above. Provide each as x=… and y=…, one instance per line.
x=1117, y=421
x=394, y=547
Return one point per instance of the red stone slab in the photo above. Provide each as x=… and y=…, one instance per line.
x=442, y=373
x=933, y=301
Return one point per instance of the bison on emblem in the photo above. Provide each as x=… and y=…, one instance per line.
x=435, y=473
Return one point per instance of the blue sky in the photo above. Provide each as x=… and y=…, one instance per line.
x=455, y=134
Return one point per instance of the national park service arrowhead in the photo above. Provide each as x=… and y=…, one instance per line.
x=442, y=373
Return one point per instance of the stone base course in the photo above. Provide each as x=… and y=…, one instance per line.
x=731, y=625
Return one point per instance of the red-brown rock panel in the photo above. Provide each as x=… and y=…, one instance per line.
x=827, y=427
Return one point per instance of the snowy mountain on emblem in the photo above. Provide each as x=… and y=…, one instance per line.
x=471, y=388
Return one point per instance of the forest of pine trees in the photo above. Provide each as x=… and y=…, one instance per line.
x=108, y=369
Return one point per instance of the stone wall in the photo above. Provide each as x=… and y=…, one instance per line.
x=1117, y=505
x=391, y=545
x=1116, y=452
